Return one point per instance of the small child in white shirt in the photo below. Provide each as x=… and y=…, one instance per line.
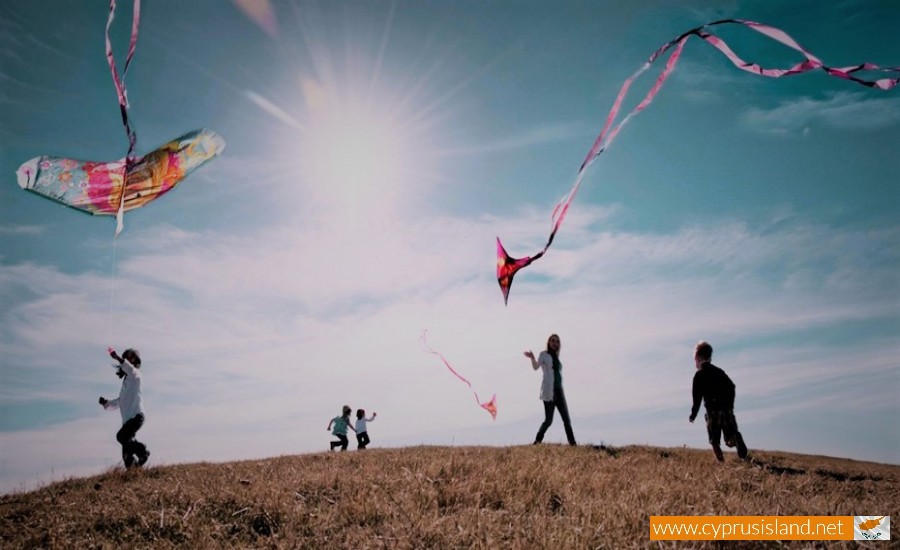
x=129, y=403
x=362, y=435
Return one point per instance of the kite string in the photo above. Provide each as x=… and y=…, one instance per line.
x=112, y=294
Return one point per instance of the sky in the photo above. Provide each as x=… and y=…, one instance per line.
x=375, y=150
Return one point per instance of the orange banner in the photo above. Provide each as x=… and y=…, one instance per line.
x=751, y=527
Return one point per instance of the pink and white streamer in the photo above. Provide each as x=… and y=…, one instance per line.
x=490, y=406
x=507, y=266
x=122, y=91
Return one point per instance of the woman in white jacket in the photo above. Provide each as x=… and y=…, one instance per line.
x=551, y=388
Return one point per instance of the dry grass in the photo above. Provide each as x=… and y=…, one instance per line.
x=438, y=497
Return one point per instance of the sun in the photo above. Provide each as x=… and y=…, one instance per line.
x=356, y=155
x=353, y=157
x=361, y=125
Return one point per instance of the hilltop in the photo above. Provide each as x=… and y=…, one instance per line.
x=438, y=497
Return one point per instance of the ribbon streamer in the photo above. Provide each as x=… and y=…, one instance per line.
x=122, y=93
x=507, y=266
x=489, y=406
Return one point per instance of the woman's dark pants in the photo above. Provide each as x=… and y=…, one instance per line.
x=559, y=402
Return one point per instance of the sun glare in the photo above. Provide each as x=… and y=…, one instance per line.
x=356, y=156
x=357, y=140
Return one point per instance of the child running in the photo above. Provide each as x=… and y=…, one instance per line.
x=134, y=453
x=341, y=423
x=715, y=390
x=362, y=434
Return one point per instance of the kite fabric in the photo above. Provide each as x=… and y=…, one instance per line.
x=489, y=406
x=112, y=188
x=507, y=266
x=97, y=187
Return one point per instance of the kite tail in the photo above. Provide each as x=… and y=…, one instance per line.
x=122, y=93
x=508, y=266
x=489, y=406
x=443, y=359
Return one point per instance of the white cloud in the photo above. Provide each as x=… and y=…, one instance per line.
x=701, y=80
x=252, y=342
x=842, y=110
x=21, y=229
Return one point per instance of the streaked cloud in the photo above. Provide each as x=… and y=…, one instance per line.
x=21, y=229
x=271, y=295
x=271, y=108
x=841, y=110
x=550, y=133
x=244, y=316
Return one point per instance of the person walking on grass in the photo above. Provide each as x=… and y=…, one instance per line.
x=716, y=390
x=552, y=388
x=362, y=434
x=341, y=423
x=129, y=403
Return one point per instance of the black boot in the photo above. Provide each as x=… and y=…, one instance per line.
x=741, y=448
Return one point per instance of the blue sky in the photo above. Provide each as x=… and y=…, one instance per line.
x=375, y=150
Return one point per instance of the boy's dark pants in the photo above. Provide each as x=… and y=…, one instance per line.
x=130, y=445
x=362, y=439
x=720, y=423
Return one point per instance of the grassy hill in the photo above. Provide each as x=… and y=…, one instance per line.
x=546, y=496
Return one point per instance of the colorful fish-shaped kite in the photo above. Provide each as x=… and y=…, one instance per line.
x=507, y=266
x=489, y=406
x=103, y=188
x=112, y=188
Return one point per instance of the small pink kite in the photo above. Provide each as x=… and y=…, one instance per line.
x=489, y=406
x=507, y=266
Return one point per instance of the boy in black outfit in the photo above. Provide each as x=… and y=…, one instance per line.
x=716, y=390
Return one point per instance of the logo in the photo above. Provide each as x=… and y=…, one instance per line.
x=871, y=527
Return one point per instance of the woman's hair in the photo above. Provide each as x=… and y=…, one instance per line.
x=552, y=336
x=360, y=413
